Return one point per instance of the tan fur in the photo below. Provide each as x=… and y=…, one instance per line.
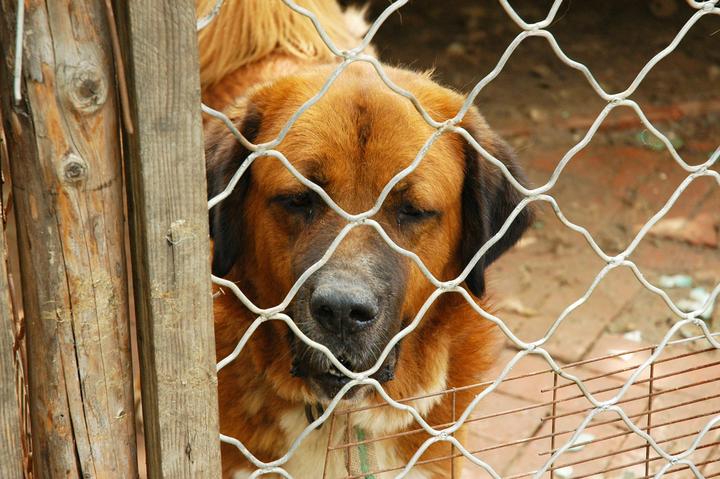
x=261, y=404
x=247, y=31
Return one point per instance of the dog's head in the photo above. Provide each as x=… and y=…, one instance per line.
x=352, y=143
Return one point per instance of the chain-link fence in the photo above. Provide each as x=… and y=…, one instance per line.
x=531, y=195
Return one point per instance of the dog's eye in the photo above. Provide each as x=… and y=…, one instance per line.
x=411, y=214
x=299, y=203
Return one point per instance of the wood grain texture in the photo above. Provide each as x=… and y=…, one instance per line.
x=65, y=163
x=11, y=460
x=169, y=231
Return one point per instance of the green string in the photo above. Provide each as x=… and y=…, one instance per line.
x=363, y=453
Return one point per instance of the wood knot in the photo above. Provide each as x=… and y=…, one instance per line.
x=85, y=87
x=74, y=169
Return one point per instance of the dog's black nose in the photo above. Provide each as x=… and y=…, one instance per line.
x=344, y=308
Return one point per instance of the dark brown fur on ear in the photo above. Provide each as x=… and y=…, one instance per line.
x=224, y=154
x=488, y=198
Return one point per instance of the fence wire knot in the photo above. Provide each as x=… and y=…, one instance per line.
x=447, y=125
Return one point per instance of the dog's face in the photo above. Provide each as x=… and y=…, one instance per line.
x=352, y=143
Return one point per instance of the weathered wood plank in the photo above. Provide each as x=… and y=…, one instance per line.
x=65, y=163
x=11, y=460
x=169, y=230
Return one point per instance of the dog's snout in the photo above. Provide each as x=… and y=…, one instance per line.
x=344, y=308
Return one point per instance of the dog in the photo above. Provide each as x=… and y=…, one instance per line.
x=261, y=62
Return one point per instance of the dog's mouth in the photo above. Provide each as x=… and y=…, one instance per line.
x=328, y=384
x=328, y=381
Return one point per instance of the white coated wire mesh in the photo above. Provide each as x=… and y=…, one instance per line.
x=540, y=193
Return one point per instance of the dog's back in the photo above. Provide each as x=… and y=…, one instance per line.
x=254, y=41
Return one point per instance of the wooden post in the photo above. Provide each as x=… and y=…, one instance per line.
x=65, y=162
x=167, y=199
x=11, y=459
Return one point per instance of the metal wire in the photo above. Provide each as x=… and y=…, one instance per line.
x=208, y=19
x=553, y=436
x=17, y=67
x=261, y=152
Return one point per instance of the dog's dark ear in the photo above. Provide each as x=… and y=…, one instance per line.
x=223, y=156
x=488, y=198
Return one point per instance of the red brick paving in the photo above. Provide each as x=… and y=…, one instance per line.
x=612, y=190
x=677, y=416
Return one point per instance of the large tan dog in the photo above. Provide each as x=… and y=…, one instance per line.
x=260, y=63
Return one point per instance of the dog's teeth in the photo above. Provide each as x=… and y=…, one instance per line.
x=337, y=373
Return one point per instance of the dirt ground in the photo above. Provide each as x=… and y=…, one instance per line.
x=612, y=187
